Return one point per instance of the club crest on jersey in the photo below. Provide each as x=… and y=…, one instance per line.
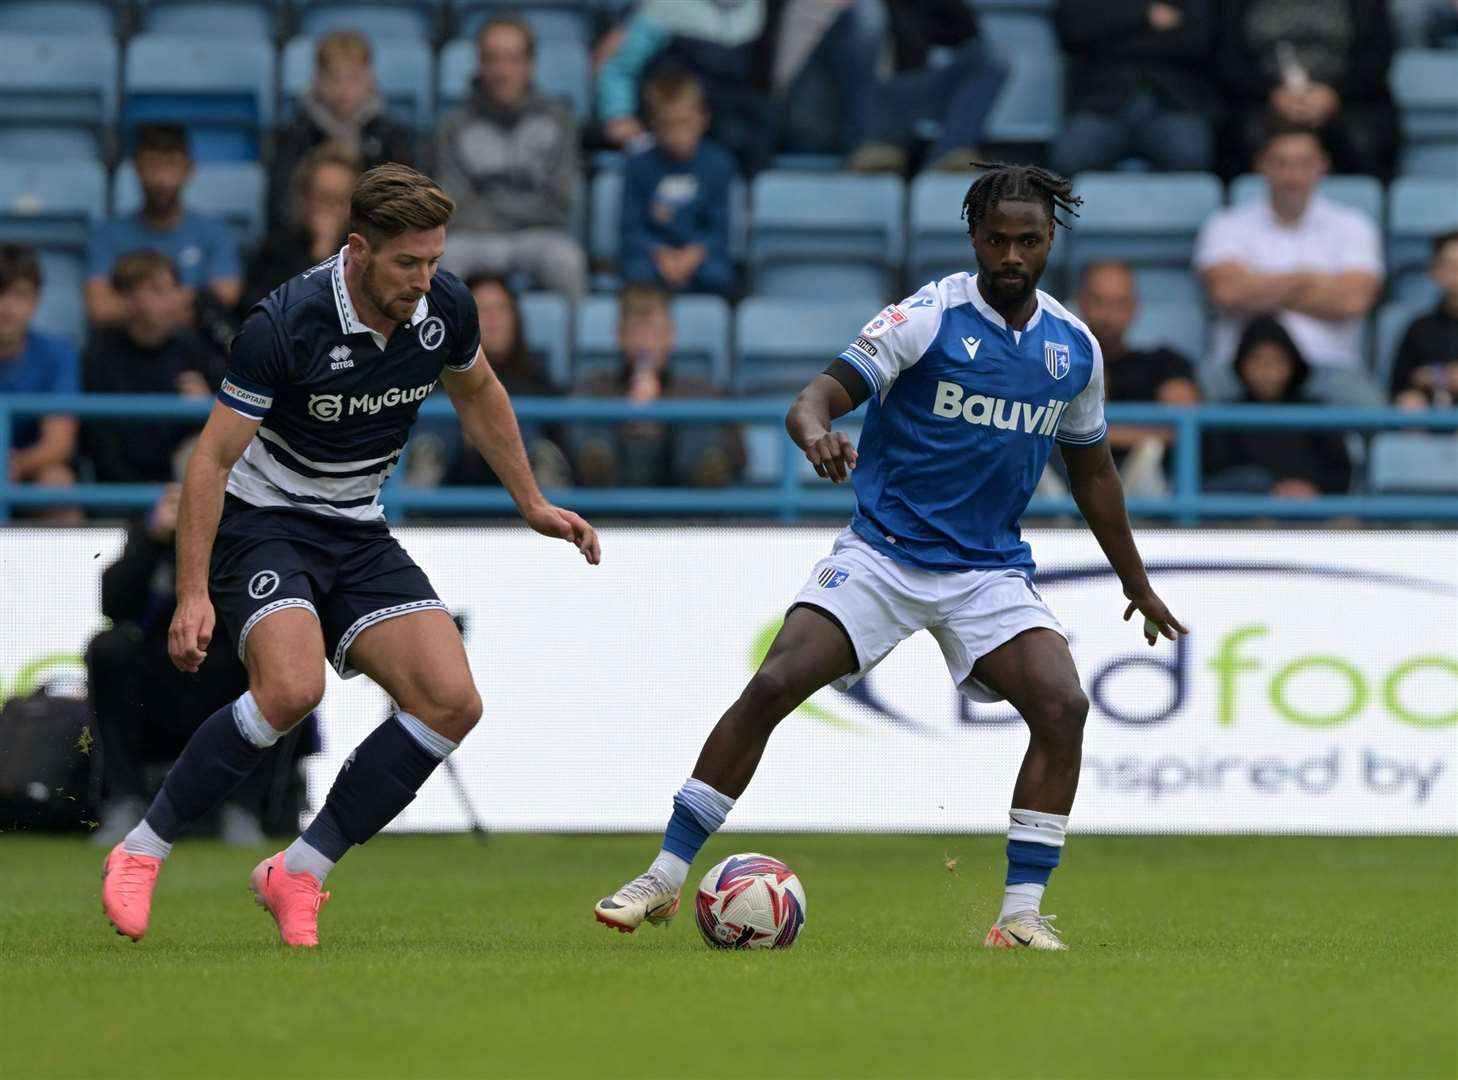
x=432, y=333
x=1055, y=358
x=830, y=576
x=890, y=316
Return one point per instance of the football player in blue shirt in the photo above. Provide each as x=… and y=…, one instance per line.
x=969, y=382
x=281, y=530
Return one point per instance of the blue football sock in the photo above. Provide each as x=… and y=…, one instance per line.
x=377, y=782
x=698, y=811
x=1034, y=847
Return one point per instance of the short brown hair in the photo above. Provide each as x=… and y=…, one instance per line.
x=636, y=301
x=343, y=47
x=392, y=199
x=332, y=152
x=138, y=267
x=670, y=88
x=18, y=264
x=517, y=23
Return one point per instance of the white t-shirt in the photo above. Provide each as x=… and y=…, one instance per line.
x=1329, y=238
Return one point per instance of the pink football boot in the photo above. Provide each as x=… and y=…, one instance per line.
x=292, y=899
x=127, y=882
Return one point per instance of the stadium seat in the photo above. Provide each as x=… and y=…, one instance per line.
x=820, y=234
x=220, y=89
x=62, y=308
x=234, y=191
x=1179, y=326
x=1029, y=109
x=1392, y=322
x=551, y=20
x=223, y=18
x=58, y=16
x=1425, y=85
x=1418, y=209
x=1016, y=7
x=39, y=143
x=400, y=19
x=402, y=74
x=58, y=79
x=1362, y=193
x=701, y=325
x=562, y=71
x=52, y=203
x=1430, y=159
x=781, y=344
x=1413, y=463
x=546, y=327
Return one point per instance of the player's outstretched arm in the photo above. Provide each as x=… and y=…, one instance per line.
x=828, y=397
x=490, y=424
x=221, y=443
x=1100, y=496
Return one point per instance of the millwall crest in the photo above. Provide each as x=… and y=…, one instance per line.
x=1055, y=358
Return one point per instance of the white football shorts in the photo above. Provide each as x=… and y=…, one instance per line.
x=881, y=602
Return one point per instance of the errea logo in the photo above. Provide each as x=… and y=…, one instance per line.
x=340, y=357
x=952, y=401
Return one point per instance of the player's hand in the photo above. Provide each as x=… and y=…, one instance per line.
x=833, y=455
x=1157, y=618
x=190, y=633
x=552, y=520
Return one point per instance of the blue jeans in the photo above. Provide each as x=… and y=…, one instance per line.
x=1171, y=140
x=958, y=95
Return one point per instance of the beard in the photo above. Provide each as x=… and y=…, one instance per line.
x=386, y=305
x=1007, y=292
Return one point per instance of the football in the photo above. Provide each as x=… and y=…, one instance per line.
x=750, y=901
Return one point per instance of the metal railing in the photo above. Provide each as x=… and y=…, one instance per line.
x=790, y=498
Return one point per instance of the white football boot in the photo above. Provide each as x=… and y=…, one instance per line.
x=1024, y=930
x=648, y=896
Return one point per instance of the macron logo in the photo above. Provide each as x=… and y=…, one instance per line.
x=952, y=401
x=970, y=344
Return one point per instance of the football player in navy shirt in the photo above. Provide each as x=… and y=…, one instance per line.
x=282, y=534
x=968, y=384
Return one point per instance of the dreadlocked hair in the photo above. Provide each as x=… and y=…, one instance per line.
x=999, y=181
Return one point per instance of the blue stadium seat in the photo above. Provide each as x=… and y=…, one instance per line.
x=58, y=16
x=551, y=20
x=781, y=344
x=1430, y=159
x=220, y=89
x=1418, y=209
x=41, y=143
x=62, y=308
x=1362, y=193
x=1392, y=322
x=820, y=234
x=1029, y=109
x=1179, y=326
x=1413, y=463
x=701, y=325
x=402, y=74
x=58, y=79
x=1149, y=221
x=545, y=324
x=51, y=204
x=1018, y=7
x=223, y=18
x=562, y=71
x=1425, y=85
x=380, y=19
x=233, y=190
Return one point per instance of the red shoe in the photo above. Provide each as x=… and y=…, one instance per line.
x=127, y=882
x=292, y=899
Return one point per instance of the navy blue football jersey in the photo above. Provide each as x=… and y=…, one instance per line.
x=337, y=399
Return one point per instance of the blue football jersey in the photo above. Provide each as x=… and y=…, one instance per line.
x=960, y=422
x=337, y=399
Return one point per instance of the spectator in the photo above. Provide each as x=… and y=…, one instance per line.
x=956, y=95
x=342, y=107
x=318, y=221
x=1139, y=84
x=509, y=160
x=151, y=352
x=1425, y=373
x=1295, y=254
x=35, y=363
x=675, y=218
x=523, y=372
x=146, y=708
x=1108, y=303
x=1286, y=464
x=646, y=453
x=1321, y=64
x=202, y=248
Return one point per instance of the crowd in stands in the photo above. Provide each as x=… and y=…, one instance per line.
x=690, y=105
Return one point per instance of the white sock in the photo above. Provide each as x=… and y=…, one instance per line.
x=431, y=741
x=251, y=724
x=300, y=857
x=1025, y=897
x=670, y=866
x=143, y=841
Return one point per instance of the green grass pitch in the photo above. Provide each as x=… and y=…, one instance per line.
x=442, y=957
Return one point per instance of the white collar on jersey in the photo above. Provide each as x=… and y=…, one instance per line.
x=349, y=322
x=985, y=309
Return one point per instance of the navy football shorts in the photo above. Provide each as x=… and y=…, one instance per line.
x=350, y=575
